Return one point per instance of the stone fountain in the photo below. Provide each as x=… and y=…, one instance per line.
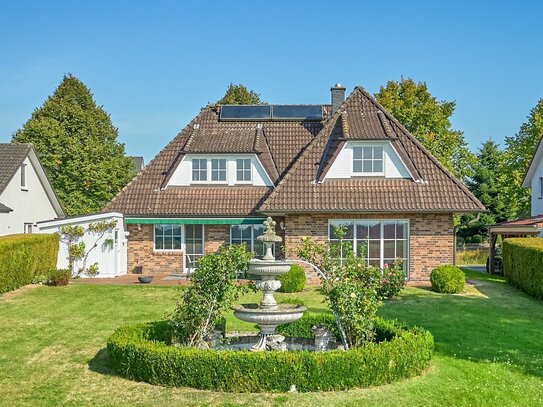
x=268, y=314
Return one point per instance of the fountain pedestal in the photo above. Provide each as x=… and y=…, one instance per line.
x=268, y=314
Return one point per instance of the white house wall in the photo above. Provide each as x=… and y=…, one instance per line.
x=183, y=173
x=537, y=202
x=29, y=206
x=343, y=164
x=111, y=259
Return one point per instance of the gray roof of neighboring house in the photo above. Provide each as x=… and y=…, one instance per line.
x=11, y=158
x=4, y=208
x=137, y=164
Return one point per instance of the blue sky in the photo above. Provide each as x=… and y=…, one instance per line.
x=153, y=65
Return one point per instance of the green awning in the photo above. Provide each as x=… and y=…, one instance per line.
x=195, y=221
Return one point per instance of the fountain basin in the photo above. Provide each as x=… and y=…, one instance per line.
x=268, y=318
x=268, y=268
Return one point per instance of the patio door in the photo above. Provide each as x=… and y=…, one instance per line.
x=194, y=246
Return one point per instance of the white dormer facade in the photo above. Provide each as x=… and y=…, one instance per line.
x=220, y=170
x=367, y=159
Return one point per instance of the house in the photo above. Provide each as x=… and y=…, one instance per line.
x=310, y=167
x=138, y=164
x=26, y=195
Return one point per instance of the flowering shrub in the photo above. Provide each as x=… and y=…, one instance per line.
x=351, y=287
x=393, y=280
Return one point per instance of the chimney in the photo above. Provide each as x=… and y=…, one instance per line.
x=338, y=96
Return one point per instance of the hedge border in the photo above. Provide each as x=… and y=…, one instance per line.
x=523, y=264
x=139, y=352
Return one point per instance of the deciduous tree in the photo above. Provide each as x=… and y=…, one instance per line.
x=240, y=95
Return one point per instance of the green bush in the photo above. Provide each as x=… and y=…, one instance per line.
x=23, y=257
x=59, y=277
x=523, y=264
x=447, y=279
x=140, y=352
x=293, y=281
x=302, y=327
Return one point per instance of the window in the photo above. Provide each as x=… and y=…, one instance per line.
x=23, y=177
x=218, y=169
x=368, y=160
x=377, y=241
x=194, y=244
x=167, y=237
x=243, y=169
x=540, y=187
x=28, y=228
x=247, y=234
x=199, y=169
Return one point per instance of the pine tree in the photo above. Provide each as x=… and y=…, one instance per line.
x=77, y=145
x=240, y=95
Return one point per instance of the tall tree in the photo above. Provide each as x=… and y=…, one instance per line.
x=240, y=95
x=428, y=119
x=520, y=149
x=77, y=144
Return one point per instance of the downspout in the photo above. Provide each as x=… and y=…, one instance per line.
x=455, y=228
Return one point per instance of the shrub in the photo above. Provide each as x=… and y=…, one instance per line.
x=59, y=277
x=302, y=327
x=393, y=280
x=447, y=279
x=293, y=281
x=523, y=264
x=23, y=257
x=140, y=352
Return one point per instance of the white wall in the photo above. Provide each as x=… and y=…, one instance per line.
x=111, y=259
x=537, y=203
x=29, y=206
x=343, y=165
x=183, y=173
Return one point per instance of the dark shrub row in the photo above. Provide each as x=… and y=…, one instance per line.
x=140, y=352
x=523, y=264
x=22, y=257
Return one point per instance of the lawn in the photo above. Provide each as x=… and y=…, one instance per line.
x=488, y=349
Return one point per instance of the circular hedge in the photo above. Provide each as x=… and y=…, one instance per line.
x=447, y=279
x=141, y=352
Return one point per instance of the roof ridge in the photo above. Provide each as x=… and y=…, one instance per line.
x=421, y=147
x=268, y=151
x=28, y=148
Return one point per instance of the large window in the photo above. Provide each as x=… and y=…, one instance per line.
x=199, y=169
x=243, y=169
x=368, y=160
x=247, y=234
x=167, y=237
x=377, y=241
x=218, y=169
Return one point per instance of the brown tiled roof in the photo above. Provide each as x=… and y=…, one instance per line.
x=305, y=189
x=276, y=143
x=11, y=158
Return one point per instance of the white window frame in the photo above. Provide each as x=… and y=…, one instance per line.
x=540, y=188
x=28, y=227
x=24, y=177
x=244, y=169
x=382, y=245
x=373, y=159
x=182, y=231
x=200, y=170
x=218, y=170
x=252, y=246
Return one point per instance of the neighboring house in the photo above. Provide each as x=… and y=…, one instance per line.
x=137, y=164
x=534, y=179
x=310, y=167
x=26, y=195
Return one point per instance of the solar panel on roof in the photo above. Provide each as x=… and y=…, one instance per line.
x=245, y=112
x=297, y=112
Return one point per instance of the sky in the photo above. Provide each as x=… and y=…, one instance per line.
x=153, y=65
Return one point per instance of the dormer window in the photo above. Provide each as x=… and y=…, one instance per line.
x=199, y=169
x=23, y=177
x=243, y=170
x=218, y=169
x=368, y=160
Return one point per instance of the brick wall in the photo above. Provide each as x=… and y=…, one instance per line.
x=431, y=237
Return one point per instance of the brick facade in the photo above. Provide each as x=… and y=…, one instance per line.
x=430, y=244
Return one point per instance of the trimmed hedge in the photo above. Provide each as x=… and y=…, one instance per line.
x=293, y=281
x=22, y=257
x=447, y=279
x=523, y=264
x=140, y=352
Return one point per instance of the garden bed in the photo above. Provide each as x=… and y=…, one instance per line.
x=142, y=352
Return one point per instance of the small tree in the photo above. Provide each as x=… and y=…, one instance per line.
x=77, y=250
x=240, y=95
x=212, y=292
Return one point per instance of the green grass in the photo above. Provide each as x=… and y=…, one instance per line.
x=470, y=257
x=489, y=350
